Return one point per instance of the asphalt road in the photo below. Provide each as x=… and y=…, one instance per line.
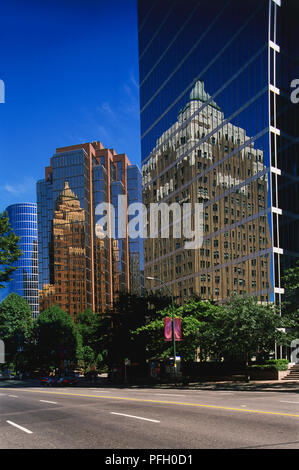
x=135, y=418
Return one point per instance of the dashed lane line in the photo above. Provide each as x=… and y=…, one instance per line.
x=141, y=400
x=136, y=417
x=47, y=401
x=19, y=427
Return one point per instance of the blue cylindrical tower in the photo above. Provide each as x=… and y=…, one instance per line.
x=23, y=221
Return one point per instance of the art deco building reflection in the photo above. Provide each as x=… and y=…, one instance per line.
x=218, y=126
x=234, y=257
x=68, y=269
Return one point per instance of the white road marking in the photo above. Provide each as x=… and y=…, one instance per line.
x=285, y=401
x=97, y=390
x=136, y=417
x=47, y=401
x=20, y=427
x=13, y=396
x=168, y=395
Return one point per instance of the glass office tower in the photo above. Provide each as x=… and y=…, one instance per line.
x=23, y=221
x=79, y=268
x=134, y=182
x=71, y=166
x=219, y=127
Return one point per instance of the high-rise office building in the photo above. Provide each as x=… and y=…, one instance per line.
x=79, y=268
x=219, y=126
x=23, y=220
x=136, y=243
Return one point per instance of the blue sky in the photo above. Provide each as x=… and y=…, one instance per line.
x=70, y=69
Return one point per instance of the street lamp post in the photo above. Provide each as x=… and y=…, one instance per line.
x=172, y=318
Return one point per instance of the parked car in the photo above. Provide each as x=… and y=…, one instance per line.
x=67, y=381
x=6, y=375
x=44, y=380
x=52, y=381
x=49, y=381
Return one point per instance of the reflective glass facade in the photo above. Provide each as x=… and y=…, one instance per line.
x=70, y=242
x=71, y=166
x=134, y=182
x=23, y=220
x=218, y=127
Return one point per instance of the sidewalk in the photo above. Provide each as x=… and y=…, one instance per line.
x=257, y=385
x=254, y=385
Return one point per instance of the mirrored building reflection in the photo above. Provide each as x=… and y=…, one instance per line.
x=218, y=127
x=79, y=267
x=68, y=252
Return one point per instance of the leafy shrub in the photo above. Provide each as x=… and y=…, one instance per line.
x=263, y=367
x=273, y=364
x=280, y=364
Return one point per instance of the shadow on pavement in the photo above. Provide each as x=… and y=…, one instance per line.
x=265, y=386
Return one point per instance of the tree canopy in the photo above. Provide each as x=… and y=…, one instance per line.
x=237, y=330
x=9, y=251
x=89, y=326
x=290, y=307
x=56, y=338
x=15, y=323
x=246, y=328
x=117, y=326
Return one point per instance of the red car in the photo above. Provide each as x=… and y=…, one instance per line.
x=44, y=380
x=66, y=381
x=49, y=381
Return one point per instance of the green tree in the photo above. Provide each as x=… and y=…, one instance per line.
x=15, y=324
x=237, y=330
x=290, y=282
x=89, y=357
x=246, y=328
x=116, y=328
x=87, y=323
x=290, y=306
x=57, y=338
x=89, y=328
x=196, y=317
x=9, y=251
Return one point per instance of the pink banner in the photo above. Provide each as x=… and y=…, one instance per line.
x=177, y=329
x=167, y=329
